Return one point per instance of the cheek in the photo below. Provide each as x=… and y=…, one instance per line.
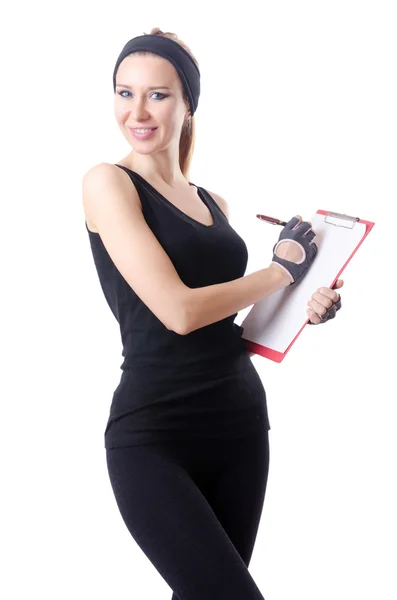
x=120, y=114
x=168, y=113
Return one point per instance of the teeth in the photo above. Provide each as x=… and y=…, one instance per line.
x=142, y=130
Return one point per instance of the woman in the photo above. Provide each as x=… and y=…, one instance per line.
x=187, y=437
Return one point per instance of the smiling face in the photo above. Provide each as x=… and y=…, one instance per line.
x=149, y=94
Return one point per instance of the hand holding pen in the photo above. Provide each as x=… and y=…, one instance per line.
x=325, y=302
x=295, y=249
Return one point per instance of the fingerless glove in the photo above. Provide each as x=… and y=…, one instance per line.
x=300, y=233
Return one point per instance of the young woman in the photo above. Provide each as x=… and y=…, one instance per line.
x=187, y=436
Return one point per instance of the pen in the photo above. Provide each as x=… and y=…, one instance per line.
x=271, y=220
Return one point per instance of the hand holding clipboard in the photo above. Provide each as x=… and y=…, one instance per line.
x=273, y=324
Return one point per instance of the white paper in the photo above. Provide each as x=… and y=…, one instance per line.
x=275, y=321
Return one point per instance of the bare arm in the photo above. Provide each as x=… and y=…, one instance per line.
x=212, y=303
x=112, y=203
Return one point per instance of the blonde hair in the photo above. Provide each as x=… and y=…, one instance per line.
x=188, y=133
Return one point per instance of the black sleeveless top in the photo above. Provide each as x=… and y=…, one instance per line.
x=172, y=386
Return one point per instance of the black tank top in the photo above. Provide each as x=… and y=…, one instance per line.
x=170, y=382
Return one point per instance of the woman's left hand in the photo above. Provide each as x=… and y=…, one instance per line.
x=324, y=303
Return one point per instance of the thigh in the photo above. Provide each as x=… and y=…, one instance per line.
x=237, y=494
x=171, y=520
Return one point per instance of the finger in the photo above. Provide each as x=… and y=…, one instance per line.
x=294, y=222
x=303, y=226
x=320, y=307
x=309, y=235
x=338, y=284
x=313, y=316
x=315, y=247
x=330, y=314
x=328, y=293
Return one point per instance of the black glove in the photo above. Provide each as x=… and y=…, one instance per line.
x=331, y=312
x=302, y=234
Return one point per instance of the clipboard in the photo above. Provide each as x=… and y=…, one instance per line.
x=274, y=324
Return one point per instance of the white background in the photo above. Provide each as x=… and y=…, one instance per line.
x=297, y=112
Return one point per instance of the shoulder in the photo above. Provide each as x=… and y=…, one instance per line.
x=221, y=202
x=101, y=171
x=102, y=174
x=110, y=178
x=104, y=180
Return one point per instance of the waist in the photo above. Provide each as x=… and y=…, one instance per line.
x=188, y=367
x=233, y=382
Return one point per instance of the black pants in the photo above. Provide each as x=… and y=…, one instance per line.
x=194, y=509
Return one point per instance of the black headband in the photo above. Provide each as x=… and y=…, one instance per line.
x=176, y=54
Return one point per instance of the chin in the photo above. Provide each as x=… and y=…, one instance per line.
x=142, y=151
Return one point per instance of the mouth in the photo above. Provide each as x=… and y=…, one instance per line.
x=142, y=133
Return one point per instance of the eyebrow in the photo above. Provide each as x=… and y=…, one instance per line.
x=156, y=87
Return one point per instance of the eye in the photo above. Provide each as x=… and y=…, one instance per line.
x=158, y=93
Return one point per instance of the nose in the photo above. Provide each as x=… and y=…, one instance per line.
x=139, y=110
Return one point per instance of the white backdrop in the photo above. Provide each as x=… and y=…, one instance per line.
x=297, y=112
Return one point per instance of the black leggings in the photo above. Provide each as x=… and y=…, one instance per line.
x=194, y=509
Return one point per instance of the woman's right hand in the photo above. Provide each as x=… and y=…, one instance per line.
x=295, y=249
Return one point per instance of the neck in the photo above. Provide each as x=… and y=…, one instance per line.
x=157, y=168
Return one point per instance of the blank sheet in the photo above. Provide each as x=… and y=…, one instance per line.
x=275, y=321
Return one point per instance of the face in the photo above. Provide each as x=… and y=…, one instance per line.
x=149, y=94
